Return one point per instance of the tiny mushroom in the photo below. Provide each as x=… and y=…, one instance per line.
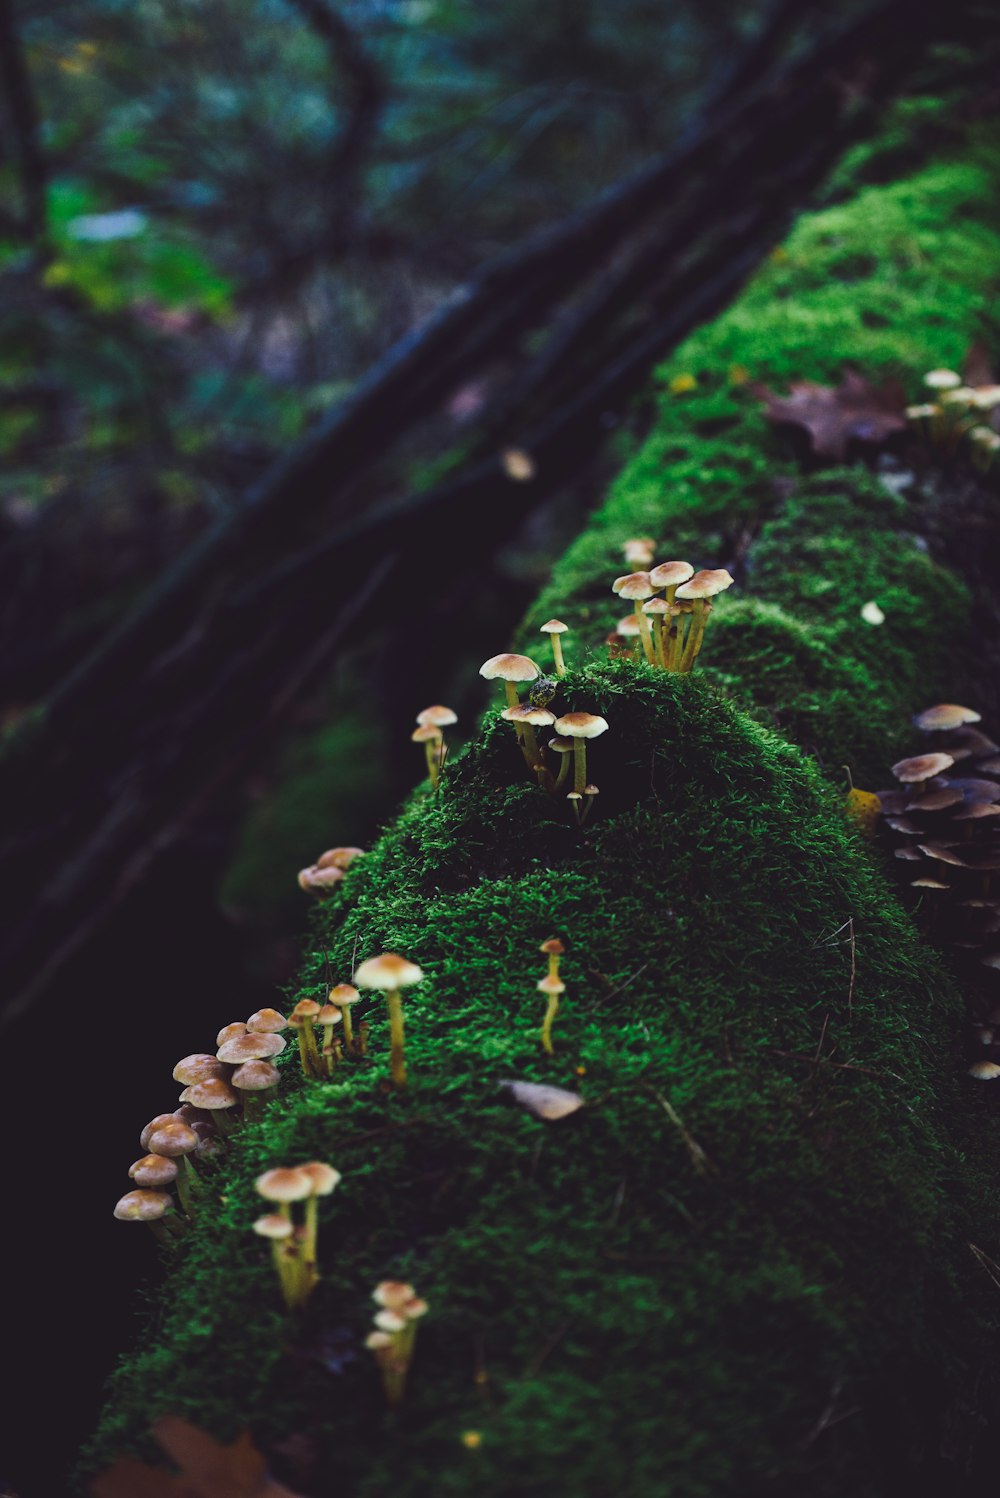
x=554, y=628
x=552, y=987
x=580, y=727
x=323, y=1179
x=392, y=1342
x=699, y=589
x=218, y=1097
x=509, y=669
x=436, y=717
x=636, y=588
x=639, y=550
x=946, y=715
x=267, y=1021
x=257, y=1080
x=255, y=1045
x=345, y=996
x=390, y=974
x=332, y=1050
x=153, y=1207
x=921, y=767
x=153, y=1172
x=301, y=1020
x=198, y=1068
x=433, y=742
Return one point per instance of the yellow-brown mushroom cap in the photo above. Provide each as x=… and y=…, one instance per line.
x=538, y=717
x=254, y=1046
x=983, y=1071
x=285, y=1183
x=669, y=574
x=942, y=379
x=659, y=606
x=509, y=668
x=214, y=1094
x=197, y=1068
x=393, y=1293
x=155, y=1123
x=329, y=1016
x=581, y=726
x=633, y=585
x=152, y=1172
x=306, y=1009
x=629, y=626
x=322, y=1176
x=426, y=734
x=921, y=767
x=267, y=1022
x=343, y=995
x=314, y=877
x=228, y=1031
x=550, y=985
x=143, y=1206
x=561, y=746
x=256, y=1075
x=436, y=716
x=552, y=947
x=706, y=584
x=173, y=1139
x=338, y=858
x=946, y=715
x=387, y=972
x=553, y=627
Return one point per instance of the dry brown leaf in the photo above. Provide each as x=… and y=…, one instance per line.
x=542, y=1101
x=208, y=1469
x=835, y=416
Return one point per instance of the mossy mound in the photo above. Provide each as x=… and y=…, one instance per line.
x=744, y=1265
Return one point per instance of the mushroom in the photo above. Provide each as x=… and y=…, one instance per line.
x=390, y=974
x=345, y=997
x=301, y=1020
x=945, y=715
x=155, y=1123
x=267, y=1022
x=218, y=1097
x=255, y=1045
x=338, y=858
x=564, y=748
x=280, y=1231
x=699, y=590
x=152, y=1207
x=639, y=551
x=198, y=1068
x=331, y=1052
x=657, y=610
x=228, y=1031
x=393, y=1340
x=554, y=628
x=178, y=1141
x=983, y=1071
x=314, y=879
x=579, y=727
x=942, y=379
x=526, y=719
x=509, y=669
x=257, y=1080
x=433, y=742
x=636, y=587
x=438, y=717
x=323, y=1179
x=920, y=768
x=284, y=1185
x=552, y=988
x=152, y=1172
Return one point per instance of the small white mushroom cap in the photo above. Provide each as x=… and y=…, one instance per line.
x=436, y=716
x=553, y=627
x=285, y=1183
x=273, y=1225
x=706, y=584
x=145, y=1206
x=667, y=574
x=509, y=668
x=581, y=726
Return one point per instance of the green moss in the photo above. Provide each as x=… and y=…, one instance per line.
x=803, y=1313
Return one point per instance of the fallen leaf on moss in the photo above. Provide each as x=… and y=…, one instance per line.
x=864, y=809
x=208, y=1469
x=834, y=416
x=543, y=1101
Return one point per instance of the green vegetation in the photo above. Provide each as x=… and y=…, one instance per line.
x=747, y=1257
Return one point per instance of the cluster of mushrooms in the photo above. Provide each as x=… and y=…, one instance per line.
x=293, y=1244
x=670, y=628
x=959, y=413
x=431, y=724
x=943, y=816
x=328, y=870
x=218, y=1091
x=395, y=1334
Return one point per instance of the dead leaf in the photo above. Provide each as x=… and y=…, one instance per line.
x=542, y=1101
x=853, y=411
x=208, y=1469
x=864, y=809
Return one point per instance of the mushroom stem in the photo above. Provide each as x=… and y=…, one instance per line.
x=552, y=1009
x=674, y=642
x=513, y=700
x=310, y=1272
x=396, y=1037
x=659, y=640
x=646, y=635
x=432, y=753
x=579, y=765
x=557, y=655
x=223, y=1122
x=693, y=642
x=348, y=1030
x=187, y=1184
x=560, y=779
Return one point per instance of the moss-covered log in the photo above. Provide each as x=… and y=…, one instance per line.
x=753, y=1262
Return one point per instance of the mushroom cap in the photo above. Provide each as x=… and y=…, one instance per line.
x=388, y=971
x=378, y=1341
x=338, y=858
x=936, y=800
x=437, y=716
x=976, y=810
x=229, y=1031
x=343, y=995
x=256, y=1075
x=706, y=584
x=147, y=1206
x=581, y=726
x=943, y=853
x=329, y=1015
x=152, y=1171
x=538, y=717
x=509, y=668
x=316, y=878
x=983, y=1071
x=389, y=1321
x=266, y=1022
x=942, y=379
x=666, y=574
x=213, y=1094
x=305, y=1009
x=155, y=1123
x=414, y=1308
x=928, y=884
x=561, y=746
x=658, y=606
x=197, y=1067
x=552, y=947
x=946, y=715
x=553, y=627
x=639, y=548
x=921, y=767
x=323, y=1177
x=273, y=1225
x=629, y=626
x=174, y=1138
x=425, y=734
x=253, y=1046
x=285, y=1183
x=393, y=1293
x=550, y=985
x=633, y=585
